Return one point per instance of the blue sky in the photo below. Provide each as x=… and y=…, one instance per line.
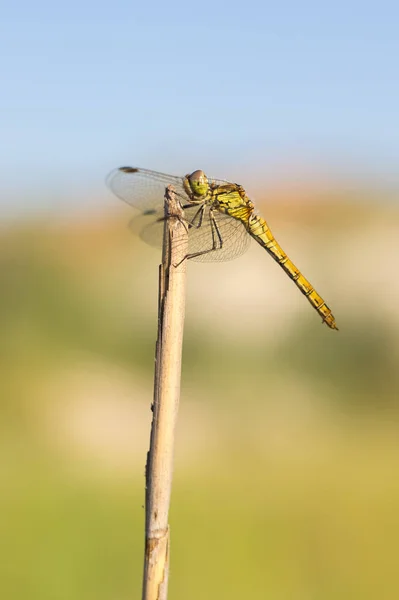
x=227, y=87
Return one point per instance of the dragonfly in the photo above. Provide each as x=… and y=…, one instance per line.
x=220, y=220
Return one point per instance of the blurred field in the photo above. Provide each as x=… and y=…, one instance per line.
x=286, y=480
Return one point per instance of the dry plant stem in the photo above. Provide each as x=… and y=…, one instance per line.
x=166, y=401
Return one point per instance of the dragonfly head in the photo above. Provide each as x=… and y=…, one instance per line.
x=198, y=183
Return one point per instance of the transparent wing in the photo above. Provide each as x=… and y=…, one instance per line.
x=201, y=235
x=144, y=189
x=235, y=238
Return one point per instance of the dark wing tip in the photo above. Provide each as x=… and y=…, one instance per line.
x=128, y=169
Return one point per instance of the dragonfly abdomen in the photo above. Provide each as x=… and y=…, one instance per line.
x=260, y=231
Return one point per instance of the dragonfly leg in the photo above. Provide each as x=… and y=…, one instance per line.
x=186, y=222
x=217, y=240
x=199, y=212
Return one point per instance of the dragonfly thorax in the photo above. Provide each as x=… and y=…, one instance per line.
x=197, y=185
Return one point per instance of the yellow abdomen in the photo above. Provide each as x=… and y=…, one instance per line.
x=259, y=230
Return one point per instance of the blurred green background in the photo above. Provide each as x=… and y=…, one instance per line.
x=287, y=446
x=286, y=466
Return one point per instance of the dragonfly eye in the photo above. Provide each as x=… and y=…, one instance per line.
x=198, y=182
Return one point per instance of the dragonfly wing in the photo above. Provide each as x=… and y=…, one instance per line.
x=233, y=233
x=144, y=189
x=201, y=235
x=149, y=226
